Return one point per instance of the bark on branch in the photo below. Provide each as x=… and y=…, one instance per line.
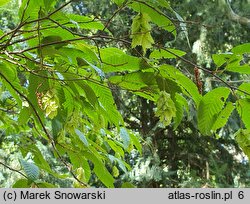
x=235, y=17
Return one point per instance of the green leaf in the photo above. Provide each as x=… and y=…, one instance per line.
x=49, y=4
x=163, y=53
x=45, y=185
x=242, y=69
x=163, y=3
x=210, y=107
x=2, y=2
x=10, y=73
x=223, y=116
x=241, y=49
x=136, y=142
x=244, y=87
x=189, y=87
x=125, y=137
x=31, y=170
x=107, y=102
x=69, y=101
x=220, y=59
x=116, y=147
x=120, y=163
x=21, y=183
x=82, y=137
x=180, y=104
x=128, y=185
x=115, y=60
x=243, y=138
x=83, y=22
x=24, y=116
x=57, y=127
x=243, y=108
x=169, y=85
x=100, y=170
x=29, y=9
x=119, y=2
x=39, y=159
x=134, y=81
x=89, y=93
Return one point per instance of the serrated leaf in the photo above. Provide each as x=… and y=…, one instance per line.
x=136, y=142
x=117, y=148
x=244, y=87
x=31, y=170
x=121, y=163
x=39, y=159
x=189, y=87
x=83, y=22
x=115, y=60
x=30, y=9
x=10, y=74
x=243, y=108
x=89, y=93
x=78, y=160
x=69, y=101
x=21, y=183
x=220, y=59
x=119, y=2
x=82, y=137
x=49, y=4
x=100, y=170
x=223, y=116
x=24, y=116
x=107, y=102
x=125, y=137
x=180, y=104
x=241, y=49
x=169, y=85
x=158, y=54
x=210, y=107
x=133, y=81
x=242, y=136
x=242, y=69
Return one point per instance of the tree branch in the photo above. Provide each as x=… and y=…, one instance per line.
x=235, y=17
x=12, y=169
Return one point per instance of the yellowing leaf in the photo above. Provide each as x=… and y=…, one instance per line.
x=243, y=138
x=141, y=32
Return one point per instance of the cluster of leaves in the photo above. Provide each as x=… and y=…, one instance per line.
x=60, y=81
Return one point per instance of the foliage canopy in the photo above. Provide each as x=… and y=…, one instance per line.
x=59, y=74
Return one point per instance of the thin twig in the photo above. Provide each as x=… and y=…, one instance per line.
x=233, y=88
x=12, y=169
x=50, y=138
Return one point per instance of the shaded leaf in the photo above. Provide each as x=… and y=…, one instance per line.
x=210, y=107
x=31, y=170
x=82, y=137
